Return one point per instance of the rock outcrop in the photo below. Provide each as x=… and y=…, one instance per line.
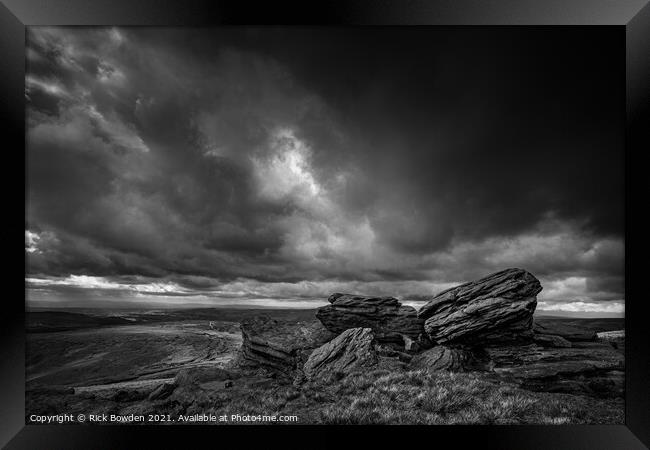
x=496, y=308
x=451, y=359
x=281, y=347
x=615, y=338
x=388, y=319
x=587, y=367
x=351, y=350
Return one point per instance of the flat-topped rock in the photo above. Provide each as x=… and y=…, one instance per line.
x=385, y=316
x=278, y=345
x=495, y=308
x=585, y=367
x=615, y=338
x=611, y=335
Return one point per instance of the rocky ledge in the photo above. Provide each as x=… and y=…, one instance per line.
x=615, y=338
x=586, y=367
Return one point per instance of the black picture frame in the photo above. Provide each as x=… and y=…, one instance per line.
x=632, y=17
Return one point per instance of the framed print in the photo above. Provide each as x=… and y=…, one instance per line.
x=384, y=220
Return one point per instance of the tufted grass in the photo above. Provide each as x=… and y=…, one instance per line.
x=457, y=398
x=373, y=397
x=418, y=397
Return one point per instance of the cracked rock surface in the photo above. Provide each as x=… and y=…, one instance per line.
x=388, y=319
x=495, y=308
x=351, y=350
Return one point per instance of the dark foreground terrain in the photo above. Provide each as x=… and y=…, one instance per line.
x=183, y=366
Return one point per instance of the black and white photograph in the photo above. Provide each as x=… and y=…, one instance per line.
x=324, y=225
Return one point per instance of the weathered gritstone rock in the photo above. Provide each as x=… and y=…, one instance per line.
x=496, y=308
x=615, y=338
x=386, y=316
x=351, y=350
x=611, y=335
x=587, y=367
x=281, y=347
x=451, y=359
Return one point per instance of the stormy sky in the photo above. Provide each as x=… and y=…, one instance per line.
x=275, y=166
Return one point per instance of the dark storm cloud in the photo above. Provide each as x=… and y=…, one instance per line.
x=279, y=163
x=497, y=124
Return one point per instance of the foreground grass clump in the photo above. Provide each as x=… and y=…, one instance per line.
x=456, y=398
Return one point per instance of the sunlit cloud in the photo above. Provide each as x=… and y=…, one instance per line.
x=31, y=241
x=51, y=87
x=614, y=307
x=284, y=171
x=93, y=282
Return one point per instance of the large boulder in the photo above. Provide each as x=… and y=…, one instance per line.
x=496, y=308
x=388, y=319
x=451, y=359
x=279, y=346
x=352, y=350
